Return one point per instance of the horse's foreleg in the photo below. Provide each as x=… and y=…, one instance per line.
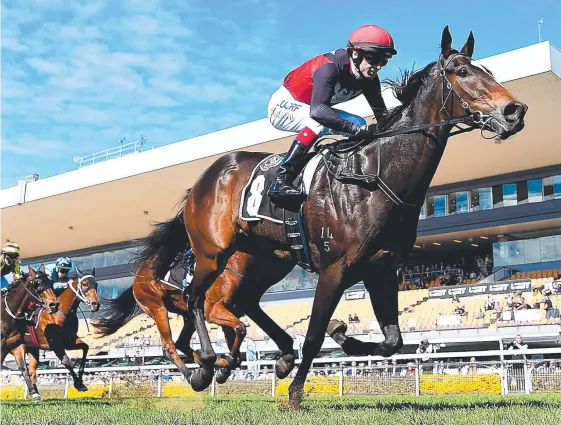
x=33, y=358
x=284, y=341
x=81, y=345
x=19, y=354
x=328, y=294
x=67, y=363
x=183, y=342
x=160, y=316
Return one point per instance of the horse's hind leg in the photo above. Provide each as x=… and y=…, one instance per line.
x=160, y=316
x=183, y=342
x=19, y=354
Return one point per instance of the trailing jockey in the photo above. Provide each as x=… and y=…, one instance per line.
x=59, y=274
x=304, y=102
x=9, y=264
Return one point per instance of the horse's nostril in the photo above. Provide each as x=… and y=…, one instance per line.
x=514, y=111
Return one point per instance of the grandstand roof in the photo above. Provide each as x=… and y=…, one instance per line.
x=116, y=200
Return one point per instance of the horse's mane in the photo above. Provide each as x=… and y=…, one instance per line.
x=405, y=89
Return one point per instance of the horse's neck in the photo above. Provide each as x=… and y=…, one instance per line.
x=18, y=299
x=425, y=148
x=67, y=300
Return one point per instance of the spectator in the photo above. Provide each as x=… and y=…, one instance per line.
x=517, y=343
x=480, y=315
x=490, y=303
x=460, y=310
x=455, y=299
x=518, y=302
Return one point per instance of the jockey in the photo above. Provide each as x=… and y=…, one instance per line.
x=304, y=101
x=59, y=274
x=9, y=263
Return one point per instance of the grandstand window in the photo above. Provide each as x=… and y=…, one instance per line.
x=551, y=188
x=422, y=213
x=547, y=245
x=430, y=207
x=485, y=198
x=509, y=195
x=452, y=203
x=462, y=202
x=497, y=196
x=522, y=192
x=532, y=251
x=558, y=248
x=440, y=205
x=103, y=259
x=535, y=190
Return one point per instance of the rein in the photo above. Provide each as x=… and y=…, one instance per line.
x=43, y=303
x=472, y=118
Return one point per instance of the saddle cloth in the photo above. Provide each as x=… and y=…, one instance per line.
x=255, y=203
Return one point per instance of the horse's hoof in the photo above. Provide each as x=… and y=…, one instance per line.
x=336, y=327
x=284, y=365
x=36, y=397
x=80, y=387
x=222, y=375
x=201, y=379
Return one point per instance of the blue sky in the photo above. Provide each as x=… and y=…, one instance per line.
x=78, y=76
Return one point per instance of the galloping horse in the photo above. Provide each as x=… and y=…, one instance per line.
x=372, y=209
x=58, y=332
x=36, y=287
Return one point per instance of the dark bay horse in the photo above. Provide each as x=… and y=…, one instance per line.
x=371, y=211
x=58, y=332
x=34, y=288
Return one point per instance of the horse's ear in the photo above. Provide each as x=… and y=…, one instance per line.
x=93, y=272
x=42, y=268
x=80, y=274
x=446, y=43
x=31, y=272
x=468, y=47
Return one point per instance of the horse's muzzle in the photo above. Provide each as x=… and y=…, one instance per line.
x=514, y=113
x=53, y=307
x=94, y=306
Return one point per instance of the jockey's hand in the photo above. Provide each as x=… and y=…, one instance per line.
x=364, y=132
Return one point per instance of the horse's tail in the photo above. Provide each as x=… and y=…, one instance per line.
x=164, y=243
x=118, y=312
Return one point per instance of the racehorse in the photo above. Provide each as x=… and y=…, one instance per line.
x=371, y=210
x=58, y=332
x=158, y=297
x=33, y=289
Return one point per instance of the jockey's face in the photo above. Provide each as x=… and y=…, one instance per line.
x=370, y=64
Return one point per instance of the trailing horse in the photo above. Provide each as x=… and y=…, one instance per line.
x=34, y=289
x=58, y=332
x=361, y=212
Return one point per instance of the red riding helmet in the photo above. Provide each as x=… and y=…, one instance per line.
x=372, y=38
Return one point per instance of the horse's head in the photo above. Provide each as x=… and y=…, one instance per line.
x=42, y=287
x=473, y=89
x=85, y=287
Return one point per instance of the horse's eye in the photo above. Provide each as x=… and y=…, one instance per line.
x=462, y=72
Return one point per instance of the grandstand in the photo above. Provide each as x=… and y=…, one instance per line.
x=490, y=225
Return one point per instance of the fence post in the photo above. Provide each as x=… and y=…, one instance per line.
x=274, y=384
x=526, y=377
x=213, y=387
x=66, y=387
x=159, y=384
x=502, y=375
x=110, y=384
x=341, y=374
x=417, y=379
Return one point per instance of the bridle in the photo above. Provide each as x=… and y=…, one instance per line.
x=31, y=293
x=473, y=119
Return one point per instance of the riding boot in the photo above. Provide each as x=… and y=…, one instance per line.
x=281, y=191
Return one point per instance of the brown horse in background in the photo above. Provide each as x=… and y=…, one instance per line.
x=371, y=208
x=224, y=305
x=34, y=289
x=58, y=332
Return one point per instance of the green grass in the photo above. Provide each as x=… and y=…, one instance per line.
x=456, y=410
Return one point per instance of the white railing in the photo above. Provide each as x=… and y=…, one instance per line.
x=111, y=153
x=349, y=375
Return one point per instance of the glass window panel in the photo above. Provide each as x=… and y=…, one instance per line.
x=547, y=245
x=522, y=192
x=462, y=202
x=509, y=195
x=440, y=205
x=486, y=198
x=548, y=189
x=557, y=187
x=558, y=248
x=430, y=207
x=497, y=196
x=535, y=190
x=422, y=213
x=474, y=197
x=532, y=250
x=452, y=203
